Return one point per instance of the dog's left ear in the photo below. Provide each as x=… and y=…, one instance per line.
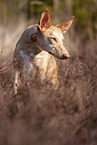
x=45, y=20
x=65, y=25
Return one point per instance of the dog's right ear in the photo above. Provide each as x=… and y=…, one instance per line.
x=45, y=20
x=65, y=25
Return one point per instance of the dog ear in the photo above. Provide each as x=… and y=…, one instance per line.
x=65, y=25
x=45, y=20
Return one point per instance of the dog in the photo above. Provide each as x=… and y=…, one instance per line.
x=36, y=49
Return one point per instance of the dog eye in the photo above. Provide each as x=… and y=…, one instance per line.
x=53, y=38
x=34, y=37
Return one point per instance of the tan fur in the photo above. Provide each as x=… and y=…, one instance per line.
x=47, y=66
x=32, y=50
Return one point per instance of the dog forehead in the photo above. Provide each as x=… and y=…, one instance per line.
x=56, y=32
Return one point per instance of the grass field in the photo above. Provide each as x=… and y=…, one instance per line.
x=45, y=116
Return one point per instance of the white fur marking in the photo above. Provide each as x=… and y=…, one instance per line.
x=30, y=67
x=24, y=56
x=32, y=55
x=27, y=64
x=38, y=61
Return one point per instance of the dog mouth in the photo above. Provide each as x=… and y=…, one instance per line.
x=53, y=51
x=63, y=57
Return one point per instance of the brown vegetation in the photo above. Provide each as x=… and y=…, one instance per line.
x=45, y=116
x=41, y=115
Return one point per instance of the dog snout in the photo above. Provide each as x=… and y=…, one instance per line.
x=65, y=56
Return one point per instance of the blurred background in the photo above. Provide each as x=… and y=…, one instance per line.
x=15, y=15
x=45, y=116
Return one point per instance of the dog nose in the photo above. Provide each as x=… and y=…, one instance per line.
x=65, y=56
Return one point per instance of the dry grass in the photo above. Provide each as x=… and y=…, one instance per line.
x=42, y=115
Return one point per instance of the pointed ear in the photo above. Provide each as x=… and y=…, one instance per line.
x=65, y=25
x=45, y=20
